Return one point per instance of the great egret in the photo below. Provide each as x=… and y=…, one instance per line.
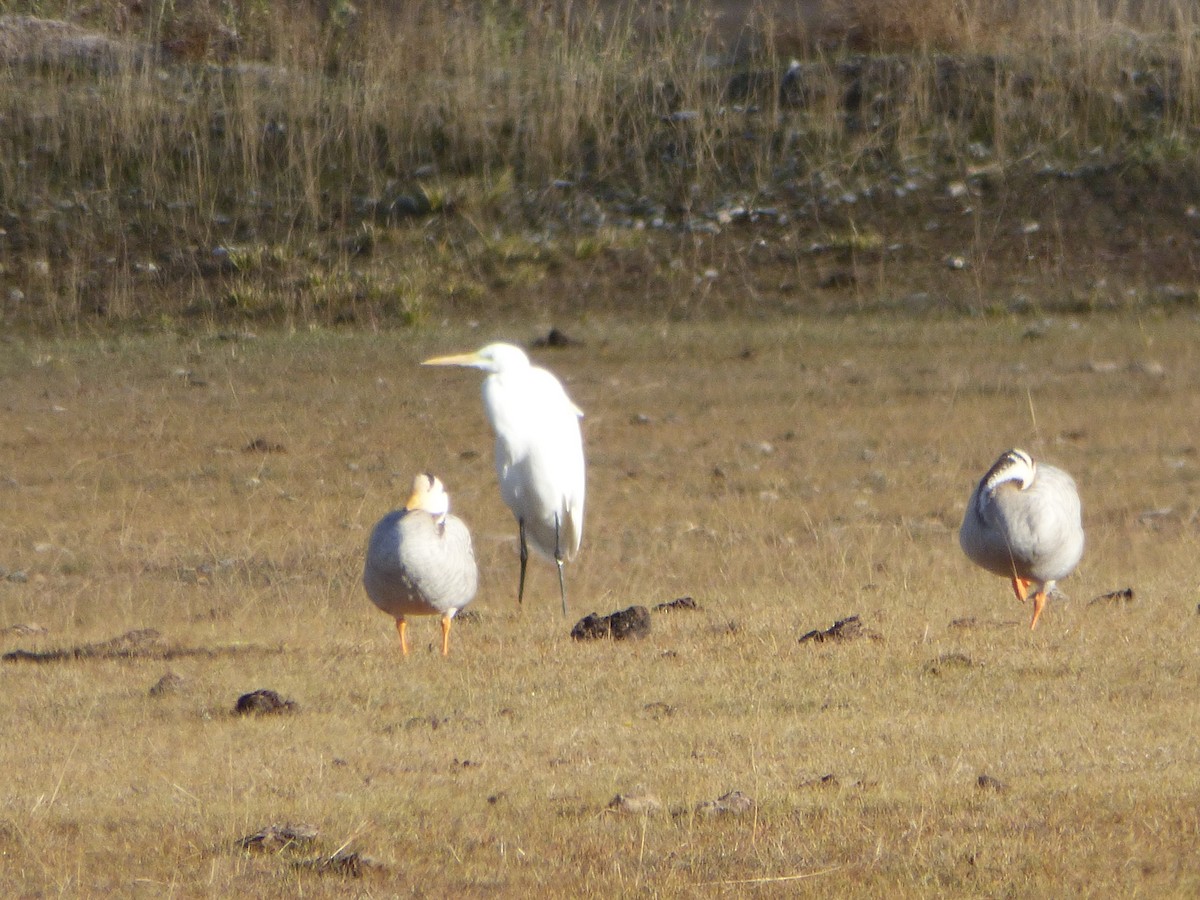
x=420, y=561
x=539, y=452
x=1023, y=522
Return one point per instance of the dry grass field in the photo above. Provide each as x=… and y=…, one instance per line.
x=784, y=474
x=812, y=304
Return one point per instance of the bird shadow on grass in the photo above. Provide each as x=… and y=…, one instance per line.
x=142, y=643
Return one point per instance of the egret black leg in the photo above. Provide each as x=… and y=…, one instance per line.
x=562, y=585
x=524, y=560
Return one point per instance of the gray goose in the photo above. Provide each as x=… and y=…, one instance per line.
x=1024, y=523
x=420, y=561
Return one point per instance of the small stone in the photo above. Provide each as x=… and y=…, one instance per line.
x=641, y=804
x=1123, y=595
x=659, y=710
x=170, y=683
x=556, y=337
x=274, y=838
x=838, y=278
x=734, y=803
x=26, y=629
x=987, y=782
x=262, y=445
x=1149, y=368
x=848, y=629
x=950, y=661
x=680, y=603
x=347, y=863
x=135, y=643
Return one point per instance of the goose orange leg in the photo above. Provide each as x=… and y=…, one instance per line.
x=1039, y=603
x=402, y=628
x=1021, y=588
x=446, y=622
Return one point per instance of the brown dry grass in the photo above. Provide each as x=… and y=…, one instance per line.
x=783, y=474
x=401, y=161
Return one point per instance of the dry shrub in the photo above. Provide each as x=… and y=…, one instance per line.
x=284, y=138
x=903, y=25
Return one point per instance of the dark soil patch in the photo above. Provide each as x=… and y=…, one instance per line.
x=848, y=629
x=950, y=662
x=639, y=804
x=735, y=803
x=986, y=782
x=264, y=702
x=348, y=864
x=170, y=683
x=680, y=603
x=262, y=445
x=1124, y=595
x=633, y=622
x=967, y=623
x=556, y=338
x=275, y=838
x=142, y=643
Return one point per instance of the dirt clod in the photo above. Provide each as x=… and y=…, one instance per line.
x=677, y=604
x=26, y=629
x=633, y=622
x=262, y=445
x=734, y=803
x=848, y=629
x=264, y=702
x=556, y=338
x=170, y=683
x=986, y=782
x=659, y=710
x=637, y=803
x=1123, y=595
x=275, y=838
x=949, y=662
x=350, y=864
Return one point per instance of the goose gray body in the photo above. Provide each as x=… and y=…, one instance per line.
x=1024, y=522
x=420, y=561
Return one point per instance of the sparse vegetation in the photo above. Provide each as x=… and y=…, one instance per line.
x=784, y=476
x=443, y=127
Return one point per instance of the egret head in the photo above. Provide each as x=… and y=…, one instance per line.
x=430, y=495
x=493, y=358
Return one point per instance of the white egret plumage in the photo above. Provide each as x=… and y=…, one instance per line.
x=420, y=561
x=539, y=452
x=1024, y=522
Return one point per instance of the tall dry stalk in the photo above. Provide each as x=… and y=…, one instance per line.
x=129, y=181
